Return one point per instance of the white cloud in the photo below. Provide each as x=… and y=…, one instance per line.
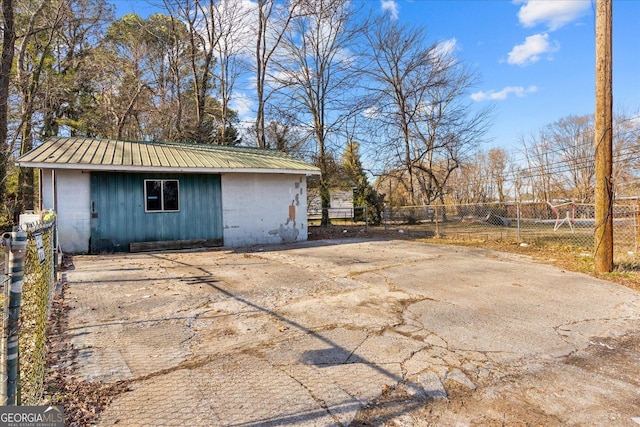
x=344, y=57
x=371, y=113
x=553, y=13
x=530, y=51
x=446, y=47
x=242, y=103
x=503, y=94
x=390, y=7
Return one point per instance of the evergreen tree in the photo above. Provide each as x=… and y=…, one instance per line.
x=363, y=193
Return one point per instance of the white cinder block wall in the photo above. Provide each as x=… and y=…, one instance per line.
x=73, y=200
x=263, y=209
x=256, y=208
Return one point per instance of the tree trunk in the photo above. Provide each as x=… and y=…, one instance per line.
x=325, y=194
x=8, y=44
x=26, y=181
x=325, y=199
x=260, y=70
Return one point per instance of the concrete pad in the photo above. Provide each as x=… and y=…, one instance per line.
x=329, y=332
x=321, y=348
x=432, y=385
x=248, y=390
x=166, y=400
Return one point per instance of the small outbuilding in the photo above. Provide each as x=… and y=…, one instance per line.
x=112, y=195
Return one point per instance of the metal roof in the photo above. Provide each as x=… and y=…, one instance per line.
x=132, y=156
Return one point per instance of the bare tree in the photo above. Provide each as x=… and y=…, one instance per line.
x=540, y=158
x=283, y=135
x=400, y=65
x=66, y=99
x=560, y=158
x=316, y=72
x=203, y=38
x=470, y=183
x=517, y=174
x=6, y=63
x=498, y=161
x=418, y=98
x=572, y=137
x=126, y=78
x=34, y=53
x=626, y=146
x=231, y=18
x=447, y=129
x=273, y=22
x=158, y=77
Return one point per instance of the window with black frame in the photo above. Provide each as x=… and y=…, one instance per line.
x=161, y=195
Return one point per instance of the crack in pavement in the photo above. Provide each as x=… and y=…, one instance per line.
x=317, y=399
x=602, y=319
x=358, y=346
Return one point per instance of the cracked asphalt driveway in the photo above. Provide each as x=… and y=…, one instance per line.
x=354, y=332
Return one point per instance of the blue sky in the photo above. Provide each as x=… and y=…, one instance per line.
x=536, y=58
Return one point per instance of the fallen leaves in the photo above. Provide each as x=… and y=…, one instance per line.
x=83, y=401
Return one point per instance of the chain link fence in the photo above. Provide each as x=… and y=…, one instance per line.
x=36, y=269
x=561, y=223
x=351, y=216
x=4, y=294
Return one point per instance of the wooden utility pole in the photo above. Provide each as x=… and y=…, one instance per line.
x=603, y=238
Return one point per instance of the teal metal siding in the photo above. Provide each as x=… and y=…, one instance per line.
x=118, y=214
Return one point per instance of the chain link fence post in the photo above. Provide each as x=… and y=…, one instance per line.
x=385, y=217
x=6, y=242
x=16, y=271
x=518, y=238
x=636, y=218
x=366, y=217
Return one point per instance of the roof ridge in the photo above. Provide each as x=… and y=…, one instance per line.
x=196, y=145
